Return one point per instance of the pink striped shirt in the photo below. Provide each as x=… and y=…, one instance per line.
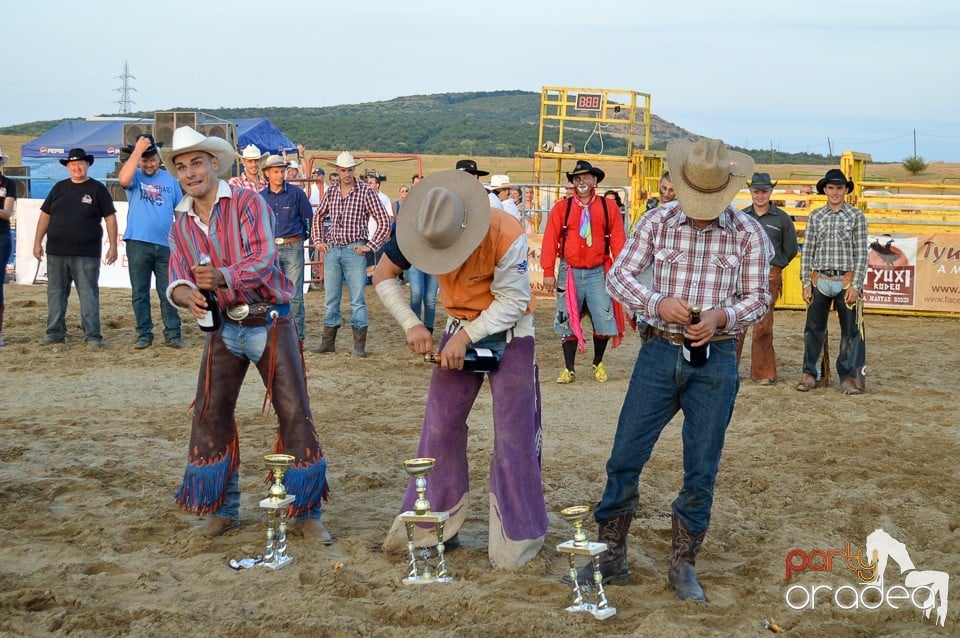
x=239, y=242
x=349, y=217
x=724, y=266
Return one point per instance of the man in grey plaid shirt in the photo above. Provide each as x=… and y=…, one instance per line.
x=833, y=267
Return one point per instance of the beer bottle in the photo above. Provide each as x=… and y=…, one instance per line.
x=695, y=355
x=474, y=360
x=211, y=321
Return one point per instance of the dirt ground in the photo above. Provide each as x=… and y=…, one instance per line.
x=94, y=446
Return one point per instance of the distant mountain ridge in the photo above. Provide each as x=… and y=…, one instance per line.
x=490, y=123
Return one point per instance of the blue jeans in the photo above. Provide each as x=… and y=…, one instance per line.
x=341, y=264
x=292, y=263
x=423, y=293
x=661, y=385
x=592, y=299
x=144, y=260
x=85, y=273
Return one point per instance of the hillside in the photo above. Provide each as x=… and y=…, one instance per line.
x=497, y=123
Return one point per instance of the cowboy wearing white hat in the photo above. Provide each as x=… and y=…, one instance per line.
x=349, y=205
x=8, y=197
x=222, y=247
x=479, y=255
x=500, y=187
x=709, y=257
x=252, y=177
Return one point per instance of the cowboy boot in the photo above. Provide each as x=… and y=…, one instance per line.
x=328, y=342
x=360, y=341
x=613, y=562
x=683, y=556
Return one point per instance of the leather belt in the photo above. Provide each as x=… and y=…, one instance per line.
x=249, y=315
x=279, y=241
x=676, y=338
x=832, y=273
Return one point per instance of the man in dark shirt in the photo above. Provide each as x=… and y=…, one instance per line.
x=783, y=236
x=70, y=219
x=293, y=215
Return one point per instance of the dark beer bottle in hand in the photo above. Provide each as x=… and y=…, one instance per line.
x=474, y=359
x=695, y=355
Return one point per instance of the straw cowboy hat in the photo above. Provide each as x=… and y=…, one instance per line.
x=187, y=140
x=706, y=175
x=582, y=167
x=251, y=151
x=345, y=160
x=273, y=161
x=77, y=154
x=499, y=182
x=761, y=182
x=835, y=176
x=443, y=220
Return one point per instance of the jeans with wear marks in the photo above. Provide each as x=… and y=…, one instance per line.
x=146, y=260
x=62, y=271
x=423, y=295
x=292, y=263
x=341, y=264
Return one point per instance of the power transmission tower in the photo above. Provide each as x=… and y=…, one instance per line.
x=125, y=100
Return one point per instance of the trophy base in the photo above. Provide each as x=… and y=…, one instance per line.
x=590, y=608
x=587, y=549
x=278, y=563
x=420, y=580
x=270, y=504
x=430, y=517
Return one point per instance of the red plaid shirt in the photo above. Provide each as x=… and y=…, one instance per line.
x=243, y=181
x=724, y=266
x=349, y=217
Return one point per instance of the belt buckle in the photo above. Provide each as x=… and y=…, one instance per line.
x=238, y=312
x=278, y=241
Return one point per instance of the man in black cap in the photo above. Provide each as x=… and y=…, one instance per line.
x=586, y=233
x=833, y=267
x=70, y=220
x=783, y=236
x=152, y=194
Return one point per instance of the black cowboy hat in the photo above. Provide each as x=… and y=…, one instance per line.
x=585, y=167
x=470, y=166
x=152, y=150
x=761, y=182
x=835, y=176
x=77, y=154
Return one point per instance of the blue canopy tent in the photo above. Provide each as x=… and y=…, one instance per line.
x=103, y=138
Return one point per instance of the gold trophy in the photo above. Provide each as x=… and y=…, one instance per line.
x=419, y=468
x=580, y=546
x=276, y=503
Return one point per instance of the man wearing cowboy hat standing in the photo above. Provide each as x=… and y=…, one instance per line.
x=70, y=219
x=349, y=205
x=705, y=254
x=479, y=255
x=585, y=232
x=833, y=267
x=223, y=242
x=252, y=177
x=779, y=228
x=152, y=193
x=8, y=198
x=293, y=216
x=500, y=186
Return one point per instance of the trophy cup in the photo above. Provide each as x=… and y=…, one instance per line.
x=580, y=546
x=276, y=503
x=419, y=468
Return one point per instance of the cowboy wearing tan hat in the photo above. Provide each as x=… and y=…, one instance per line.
x=479, y=254
x=222, y=245
x=584, y=234
x=252, y=177
x=350, y=205
x=706, y=255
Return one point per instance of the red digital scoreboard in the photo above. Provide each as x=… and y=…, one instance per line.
x=589, y=101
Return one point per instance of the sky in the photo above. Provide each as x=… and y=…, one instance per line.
x=819, y=76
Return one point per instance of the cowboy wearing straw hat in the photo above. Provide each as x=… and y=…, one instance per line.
x=222, y=241
x=479, y=254
x=705, y=253
x=252, y=177
x=349, y=205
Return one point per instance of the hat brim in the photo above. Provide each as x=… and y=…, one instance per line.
x=761, y=187
x=596, y=172
x=86, y=158
x=823, y=182
x=412, y=243
x=356, y=163
x=695, y=203
x=215, y=146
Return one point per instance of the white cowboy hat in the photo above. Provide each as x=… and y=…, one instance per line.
x=251, y=151
x=706, y=175
x=345, y=160
x=499, y=182
x=293, y=164
x=273, y=161
x=187, y=140
x=3, y=158
x=443, y=220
